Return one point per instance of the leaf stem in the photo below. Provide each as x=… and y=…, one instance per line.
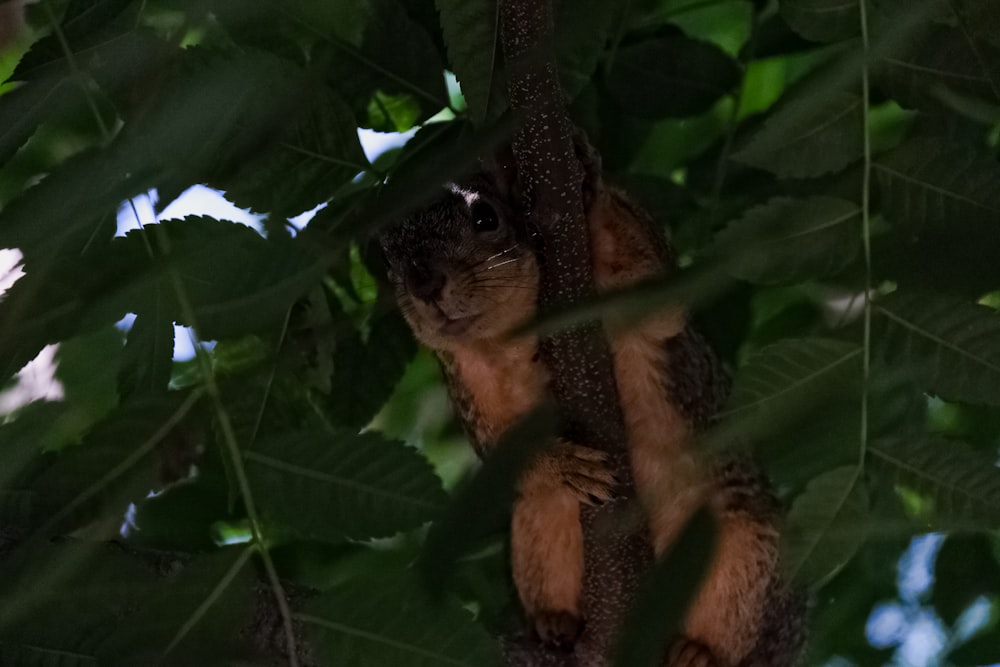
x=332, y=160
x=866, y=236
x=235, y=456
x=722, y=166
x=77, y=72
x=207, y=603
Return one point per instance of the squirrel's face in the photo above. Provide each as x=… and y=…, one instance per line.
x=462, y=270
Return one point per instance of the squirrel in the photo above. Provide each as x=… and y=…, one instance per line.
x=465, y=270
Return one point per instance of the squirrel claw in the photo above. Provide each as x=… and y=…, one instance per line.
x=688, y=653
x=557, y=628
x=586, y=471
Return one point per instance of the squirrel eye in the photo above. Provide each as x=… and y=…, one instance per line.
x=484, y=217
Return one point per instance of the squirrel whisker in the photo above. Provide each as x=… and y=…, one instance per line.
x=493, y=266
x=499, y=254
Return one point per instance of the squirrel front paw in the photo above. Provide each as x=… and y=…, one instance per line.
x=688, y=653
x=557, y=628
x=587, y=472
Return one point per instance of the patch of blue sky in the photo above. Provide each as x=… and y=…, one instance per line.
x=920, y=637
x=887, y=625
x=375, y=143
x=916, y=567
x=924, y=641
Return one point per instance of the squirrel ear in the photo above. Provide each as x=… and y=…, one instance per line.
x=501, y=168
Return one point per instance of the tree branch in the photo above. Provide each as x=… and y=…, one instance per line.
x=617, y=547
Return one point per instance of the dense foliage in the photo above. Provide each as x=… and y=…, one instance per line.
x=830, y=173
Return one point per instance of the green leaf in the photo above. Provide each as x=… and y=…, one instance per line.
x=116, y=56
x=316, y=150
x=190, y=616
x=86, y=369
x=838, y=618
x=234, y=281
x=22, y=110
x=791, y=402
x=472, y=35
x=826, y=526
x=981, y=18
x=932, y=58
x=965, y=569
x=807, y=136
x=822, y=20
x=951, y=345
x=375, y=47
x=789, y=240
x=254, y=403
x=170, y=145
x=392, y=113
x=44, y=307
x=928, y=261
x=931, y=183
x=582, y=30
x=666, y=592
x=670, y=76
x=257, y=26
x=389, y=620
x=94, y=603
x=168, y=140
x=182, y=516
x=963, y=485
x=17, y=511
x=790, y=371
x=84, y=25
x=365, y=373
x=933, y=10
x=38, y=427
x=317, y=327
x=111, y=466
x=366, y=486
x=63, y=601
x=149, y=350
x=71, y=207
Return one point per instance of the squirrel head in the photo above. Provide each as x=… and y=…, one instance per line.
x=462, y=268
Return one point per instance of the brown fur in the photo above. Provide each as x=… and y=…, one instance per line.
x=671, y=478
x=669, y=383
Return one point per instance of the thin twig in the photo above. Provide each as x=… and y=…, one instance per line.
x=866, y=238
x=75, y=69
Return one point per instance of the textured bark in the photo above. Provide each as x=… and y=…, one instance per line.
x=617, y=547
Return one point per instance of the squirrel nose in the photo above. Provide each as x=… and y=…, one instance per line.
x=425, y=282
